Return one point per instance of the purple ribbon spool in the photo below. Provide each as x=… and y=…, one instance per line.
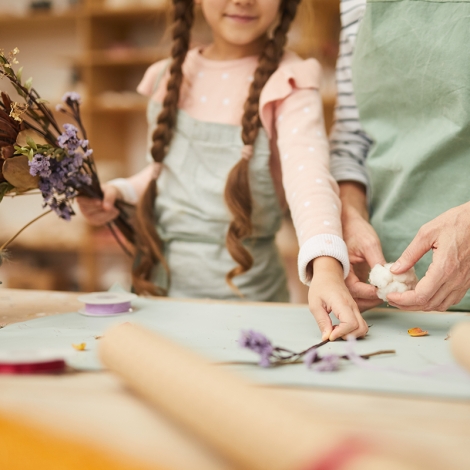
x=108, y=309
x=106, y=303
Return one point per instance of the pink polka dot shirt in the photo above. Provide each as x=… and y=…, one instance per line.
x=291, y=114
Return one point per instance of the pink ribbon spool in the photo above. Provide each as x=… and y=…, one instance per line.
x=31, y=362
x=46, y=367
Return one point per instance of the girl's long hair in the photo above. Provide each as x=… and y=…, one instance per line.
x=237, y=190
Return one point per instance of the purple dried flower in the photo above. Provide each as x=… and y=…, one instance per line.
x=64, y=177
x=328, y=363
x=72, y=97
x=62, y=208
x=258, y=343
x=69, y=140
x=40, y=165
x=311, y=357
x=76, y=161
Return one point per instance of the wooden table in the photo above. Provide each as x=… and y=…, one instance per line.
x=95, y=407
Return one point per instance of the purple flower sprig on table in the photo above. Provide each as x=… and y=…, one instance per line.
x=257, y=342
x=328, y=363
x=274, y=355
x=271, y=355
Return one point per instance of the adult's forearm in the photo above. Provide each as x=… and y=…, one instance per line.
x=353, y=197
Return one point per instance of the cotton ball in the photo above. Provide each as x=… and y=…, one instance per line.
x=380, y=276
x=387, y=282
x=409, y=278
x=392, y=287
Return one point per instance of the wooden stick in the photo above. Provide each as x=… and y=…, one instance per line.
x=460, y=343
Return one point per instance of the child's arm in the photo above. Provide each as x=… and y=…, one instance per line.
x=311, y=191
x=313, y=197
x=99, y=212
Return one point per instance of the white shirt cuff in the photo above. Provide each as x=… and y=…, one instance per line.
x=322, y=245
x=126, y=189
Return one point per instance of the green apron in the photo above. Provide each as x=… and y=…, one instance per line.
x=193, y=218
x=411, y=77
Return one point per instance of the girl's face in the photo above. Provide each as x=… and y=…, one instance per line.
x=239, y=27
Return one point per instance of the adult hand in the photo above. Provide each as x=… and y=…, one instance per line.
x=99, y=212
x=364, y=248
x=448, y=276
x=328, y=294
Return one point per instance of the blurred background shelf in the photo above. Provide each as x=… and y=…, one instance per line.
x=39, y=18
x=101, y=48
x=123, y=57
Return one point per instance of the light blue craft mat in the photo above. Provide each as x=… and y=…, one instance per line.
x=212, y=329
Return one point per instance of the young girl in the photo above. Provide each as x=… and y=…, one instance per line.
x=222, y=187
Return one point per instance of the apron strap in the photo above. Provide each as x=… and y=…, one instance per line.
x=160, y=75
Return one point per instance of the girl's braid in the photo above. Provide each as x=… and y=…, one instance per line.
x=148, y=243
x=237, y=190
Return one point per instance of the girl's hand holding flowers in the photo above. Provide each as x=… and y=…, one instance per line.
x=100, y=212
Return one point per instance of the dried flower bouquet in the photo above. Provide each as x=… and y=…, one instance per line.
x=36, y=155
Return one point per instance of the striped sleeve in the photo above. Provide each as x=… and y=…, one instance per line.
x=349, y=143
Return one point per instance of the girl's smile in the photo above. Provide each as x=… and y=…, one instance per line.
x=239, y=27
x=241, y=18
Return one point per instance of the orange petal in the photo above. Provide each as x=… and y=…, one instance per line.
x=417, y=332
x=79, y=347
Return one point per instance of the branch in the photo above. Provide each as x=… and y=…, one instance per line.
x=21, y=230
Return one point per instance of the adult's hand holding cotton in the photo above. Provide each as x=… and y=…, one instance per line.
x=387, y=282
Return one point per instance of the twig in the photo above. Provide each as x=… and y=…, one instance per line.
x=293, y=356
x=26, y=226
x=386, y=351
x=298, y=360
x=29, y=193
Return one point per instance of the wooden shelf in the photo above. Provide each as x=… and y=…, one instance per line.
x=81, y=12
x=98, y=244
x=39, y=17
x=106, y=12
x=45, y=248
x=102, y=109
x=123, y=57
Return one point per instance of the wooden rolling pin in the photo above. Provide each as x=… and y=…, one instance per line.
x=460, y=343
x=241, y=422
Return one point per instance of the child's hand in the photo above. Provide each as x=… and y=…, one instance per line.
x=328, y=293
x=99, y=212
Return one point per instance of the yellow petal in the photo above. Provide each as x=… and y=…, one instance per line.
x=416, y=331
x=79, y=347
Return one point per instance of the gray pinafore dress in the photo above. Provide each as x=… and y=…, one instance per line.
x=192, y=218
x=411, y=76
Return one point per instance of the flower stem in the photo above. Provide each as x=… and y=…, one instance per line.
x=386, y=351
x=293, y=356
x=26, y=226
